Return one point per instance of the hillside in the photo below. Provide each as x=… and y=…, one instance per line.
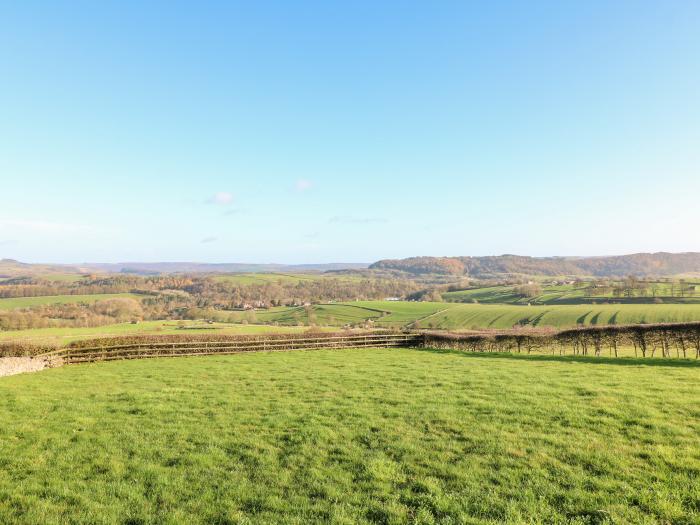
x=146, y=268
x=640, y=264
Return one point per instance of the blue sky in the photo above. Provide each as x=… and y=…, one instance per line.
x=324, y=131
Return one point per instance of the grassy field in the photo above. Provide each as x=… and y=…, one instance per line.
x=455, y=316
x=63, y=336
x=357, y=436
x=24, y=302
x=569, y=294
x=285, y=278
x=559, y=316
x=381, y=314
x=63, y=277
x=263, y=278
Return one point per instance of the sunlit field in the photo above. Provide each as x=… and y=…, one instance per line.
x=25, y=302
x=353, y=436
x=61, y=336
x=454, y=316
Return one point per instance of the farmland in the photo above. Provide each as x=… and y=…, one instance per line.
x=64, y=335
x=264, y=278
x=26, y=302
x=453, y=316
x=304, y=437
x=506, y=316
x=344, y=299
x=645, y=292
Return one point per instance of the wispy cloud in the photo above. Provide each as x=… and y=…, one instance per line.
x=207, y=240
x=221, y=198
x=349, y=219
x=304, y=185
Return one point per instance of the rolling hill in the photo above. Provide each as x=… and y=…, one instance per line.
x=640, y=264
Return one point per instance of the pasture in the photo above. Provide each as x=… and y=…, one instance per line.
x=264, y=278
x=559, y=316
x=244, y=279
x=65, y=335
x=353, y=436
x=457, y=316
x=559, y=294
x=26, y=302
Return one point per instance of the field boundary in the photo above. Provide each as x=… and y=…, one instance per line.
x=71, y=355
x=681, y=339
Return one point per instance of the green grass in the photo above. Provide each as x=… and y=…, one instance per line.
x=358, y=436
x=566, y=294
x=25, y=302
x=62, y=336
x=468, y=316
x=384, y=313
x=263, y=278
x=456, y=316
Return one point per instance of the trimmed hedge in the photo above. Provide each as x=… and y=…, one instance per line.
x=683, y=339
x=23, y=349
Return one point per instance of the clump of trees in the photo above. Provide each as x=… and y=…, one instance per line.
x=528, y=290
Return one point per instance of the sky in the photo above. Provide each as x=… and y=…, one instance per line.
x=299, y=132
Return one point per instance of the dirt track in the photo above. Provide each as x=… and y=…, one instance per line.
x=18, y=365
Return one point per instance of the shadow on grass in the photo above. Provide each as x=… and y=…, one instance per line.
x=602, y=360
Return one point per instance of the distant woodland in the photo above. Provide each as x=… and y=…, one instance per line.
x=641, y=264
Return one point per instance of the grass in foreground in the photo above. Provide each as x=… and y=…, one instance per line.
x=357, y=436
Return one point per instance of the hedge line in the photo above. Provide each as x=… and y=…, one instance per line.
x=648, y=340
x=681, y=339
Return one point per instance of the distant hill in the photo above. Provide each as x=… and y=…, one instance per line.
x=9, y=268
x=195, y=267
x=640, y=264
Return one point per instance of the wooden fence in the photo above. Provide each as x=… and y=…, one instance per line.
x=71, y=355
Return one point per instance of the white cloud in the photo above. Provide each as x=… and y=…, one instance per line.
x=222, y=198
x=207, y=240
x=304, y=184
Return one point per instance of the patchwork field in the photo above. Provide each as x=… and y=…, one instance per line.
x=455, y=316
x=570, y=294
x=25, y=302
x=353, y=437
x=560, y=316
